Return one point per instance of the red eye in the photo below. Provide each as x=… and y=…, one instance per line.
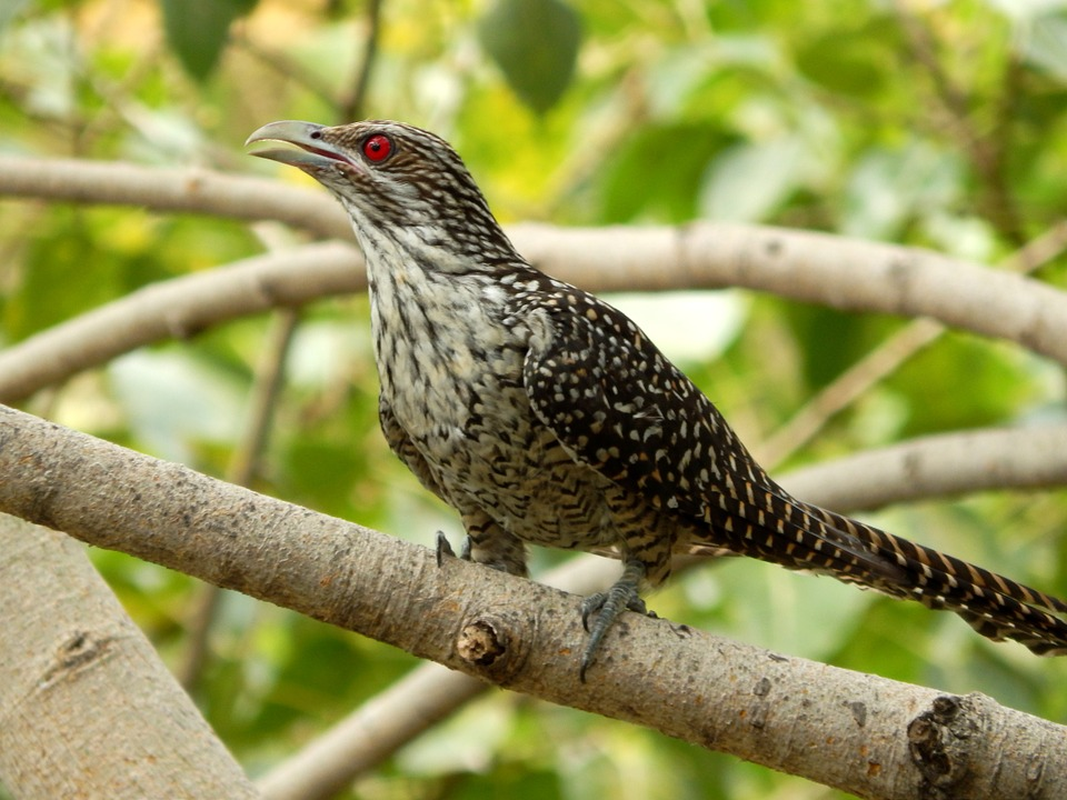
x=377, y=148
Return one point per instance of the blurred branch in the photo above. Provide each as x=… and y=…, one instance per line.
x=885, y=359
x=944, y=465
x=813, y=267
x=371, y=734
x=264, y=397
x=935, y=466
x=87, y=708
x=178, y=309
x=860, y=733
x=198, y=191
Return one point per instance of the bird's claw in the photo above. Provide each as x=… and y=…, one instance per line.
x=607, y=606
x=444, y=548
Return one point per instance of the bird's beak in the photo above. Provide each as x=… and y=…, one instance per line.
x=314, y=154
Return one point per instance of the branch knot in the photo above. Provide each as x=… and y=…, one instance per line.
x=493, y=645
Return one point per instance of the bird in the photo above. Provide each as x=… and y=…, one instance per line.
x=545, y=416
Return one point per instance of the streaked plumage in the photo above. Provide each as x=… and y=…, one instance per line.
x=545, y=416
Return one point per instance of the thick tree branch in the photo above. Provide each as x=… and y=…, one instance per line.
x=879, y=738
x=87, y=709
x=922, y=468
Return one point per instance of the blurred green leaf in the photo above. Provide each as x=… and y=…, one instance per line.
x=747, y=182
x=322, y=471
x=831, y=340
x=535, y=44
x=73, y=262
x=197, y=30
x=9, y=10
x=656, y=173
x=1046, y=44
x=987, y=385
x=856, y=63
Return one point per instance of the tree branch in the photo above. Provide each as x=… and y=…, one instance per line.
x=944, y=465
x=352, y=103
x=196, y=191
x=916, y=470
x=177, y=309
x=805, y=266
x=87, y=709
x=879, y=737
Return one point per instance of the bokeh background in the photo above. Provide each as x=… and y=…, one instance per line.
x=935, y=124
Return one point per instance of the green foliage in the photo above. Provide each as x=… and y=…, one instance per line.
x=197, y=30
x=936, y=125
x=535, y=44
x=657, y=172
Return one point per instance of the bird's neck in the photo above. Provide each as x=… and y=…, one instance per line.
x=435, y=318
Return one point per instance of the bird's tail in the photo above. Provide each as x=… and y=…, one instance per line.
x=995, y=606
x=773, y=526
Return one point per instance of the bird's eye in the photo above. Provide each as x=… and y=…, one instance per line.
x=377, y=148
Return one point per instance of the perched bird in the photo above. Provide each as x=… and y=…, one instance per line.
x=545, y=416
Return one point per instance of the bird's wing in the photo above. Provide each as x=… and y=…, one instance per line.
x=619, y=406
x=616, y=404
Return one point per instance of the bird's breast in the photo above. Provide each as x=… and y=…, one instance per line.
x=447, y=363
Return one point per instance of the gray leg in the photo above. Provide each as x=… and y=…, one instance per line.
x=622, y=596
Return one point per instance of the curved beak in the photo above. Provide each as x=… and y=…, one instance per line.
x=314, y=154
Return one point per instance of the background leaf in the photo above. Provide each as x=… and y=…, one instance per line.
x=197, y=30
x=535, y=44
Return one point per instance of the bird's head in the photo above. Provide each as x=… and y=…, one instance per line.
x=395, y=181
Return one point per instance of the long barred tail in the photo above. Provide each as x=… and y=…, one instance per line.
x=995, y=606
x=767, y=523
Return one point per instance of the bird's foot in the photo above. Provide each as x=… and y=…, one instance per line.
x=444, y=548
x=607, y=606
